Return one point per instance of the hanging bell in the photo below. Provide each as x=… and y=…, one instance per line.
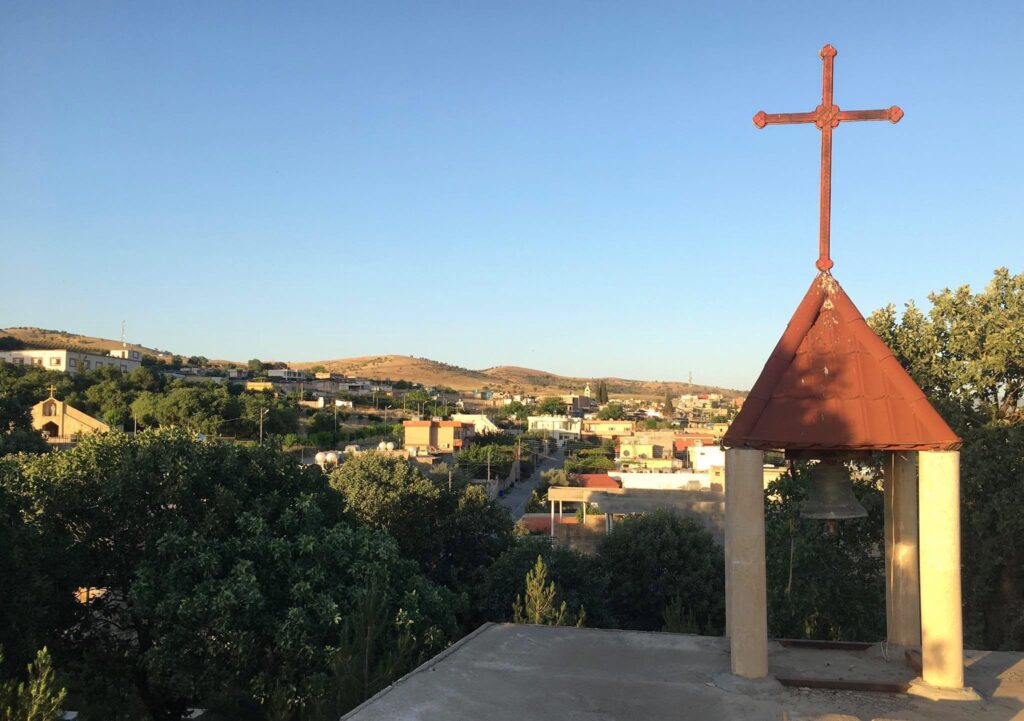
x=830, y=497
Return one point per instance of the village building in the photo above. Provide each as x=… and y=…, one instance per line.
x=482, y=425
x=61, y=423
x=73, y=362
x=561, y=428
x=606, y=428
x=436, y=437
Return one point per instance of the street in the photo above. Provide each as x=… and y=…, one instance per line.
x=515, y=499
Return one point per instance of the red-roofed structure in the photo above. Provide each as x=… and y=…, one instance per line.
x=597, y=480
x=832, y=384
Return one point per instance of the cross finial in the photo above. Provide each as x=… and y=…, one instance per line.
x=826, y=117
x=52, y=389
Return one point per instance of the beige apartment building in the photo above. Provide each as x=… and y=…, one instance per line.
x=73, y=362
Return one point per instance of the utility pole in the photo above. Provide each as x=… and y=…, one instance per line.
x=263, y=414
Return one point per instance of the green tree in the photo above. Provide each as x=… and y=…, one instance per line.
x=540, y=605
x=612, y=412
x=965, y=353
x=256, y=365
x=580, y=579
x=228, y=572
x=652, y=558
x=453, y=534
x=551, y=406
x=668, y=409
x=39, y=698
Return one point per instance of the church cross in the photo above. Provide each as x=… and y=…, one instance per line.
x=52, y=389
x=826, y=117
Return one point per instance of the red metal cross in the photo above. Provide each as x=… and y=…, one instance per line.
x=826, y=116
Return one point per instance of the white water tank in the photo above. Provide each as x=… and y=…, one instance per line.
x=319, y=458
x=331, y=458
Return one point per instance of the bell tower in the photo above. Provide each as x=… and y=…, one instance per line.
x=831, y=392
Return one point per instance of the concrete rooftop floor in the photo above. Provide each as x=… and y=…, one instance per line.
x=505, y=672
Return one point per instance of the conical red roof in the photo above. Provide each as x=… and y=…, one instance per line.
x=832, y=384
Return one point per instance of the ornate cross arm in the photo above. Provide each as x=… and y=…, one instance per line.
x=893, y=115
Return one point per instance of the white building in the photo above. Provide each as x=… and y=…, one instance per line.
x=287, y=374
x=561, y=427
x=72, y=362
x=703, y=458
x=482, y=425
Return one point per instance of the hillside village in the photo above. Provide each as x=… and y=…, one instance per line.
x=593, y=436
x=598, y=190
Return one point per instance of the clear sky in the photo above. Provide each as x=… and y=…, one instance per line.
x=572, y=186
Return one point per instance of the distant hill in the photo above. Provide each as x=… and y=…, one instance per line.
x=505, y=378
x=43, y=338
x=409, y=368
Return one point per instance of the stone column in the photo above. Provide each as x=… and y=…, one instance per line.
x=745, y=563
x=942, y=638
x=902, y=582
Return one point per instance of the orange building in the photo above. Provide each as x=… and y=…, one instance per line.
x=423, y=437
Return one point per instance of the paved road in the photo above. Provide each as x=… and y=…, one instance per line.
x=515, y=499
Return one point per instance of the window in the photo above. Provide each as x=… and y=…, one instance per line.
x=72, y=362
x=55, y=360
x=37, y=361
x=124, y=368
x=85, y=364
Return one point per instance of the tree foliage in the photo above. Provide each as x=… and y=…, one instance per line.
x=453, y=534
x=655, y=557
x=226, y=573
x=612, y=412
x=38, y=698
x=539, y=603
x=580, y=581
x=967, y=353
x=551, y=406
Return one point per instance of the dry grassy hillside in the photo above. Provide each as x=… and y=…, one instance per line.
x=409, y=368
x=400, y=367
x=505, y=378
x=43, y=338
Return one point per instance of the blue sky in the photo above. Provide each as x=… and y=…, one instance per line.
x=572, y=186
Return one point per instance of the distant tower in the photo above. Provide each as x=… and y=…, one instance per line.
x=123, y=343
x=691, y=378
x=586, y=391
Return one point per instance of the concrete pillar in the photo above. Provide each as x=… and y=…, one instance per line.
x=552, y=519
x=745, y=563
x=607, y=523
x=942, y=638
x=902, y=580
x=728, y=595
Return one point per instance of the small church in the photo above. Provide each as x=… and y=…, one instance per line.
x=61, y=423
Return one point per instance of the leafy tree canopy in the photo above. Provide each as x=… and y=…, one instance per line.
x=228, y=572
x=655, y=557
